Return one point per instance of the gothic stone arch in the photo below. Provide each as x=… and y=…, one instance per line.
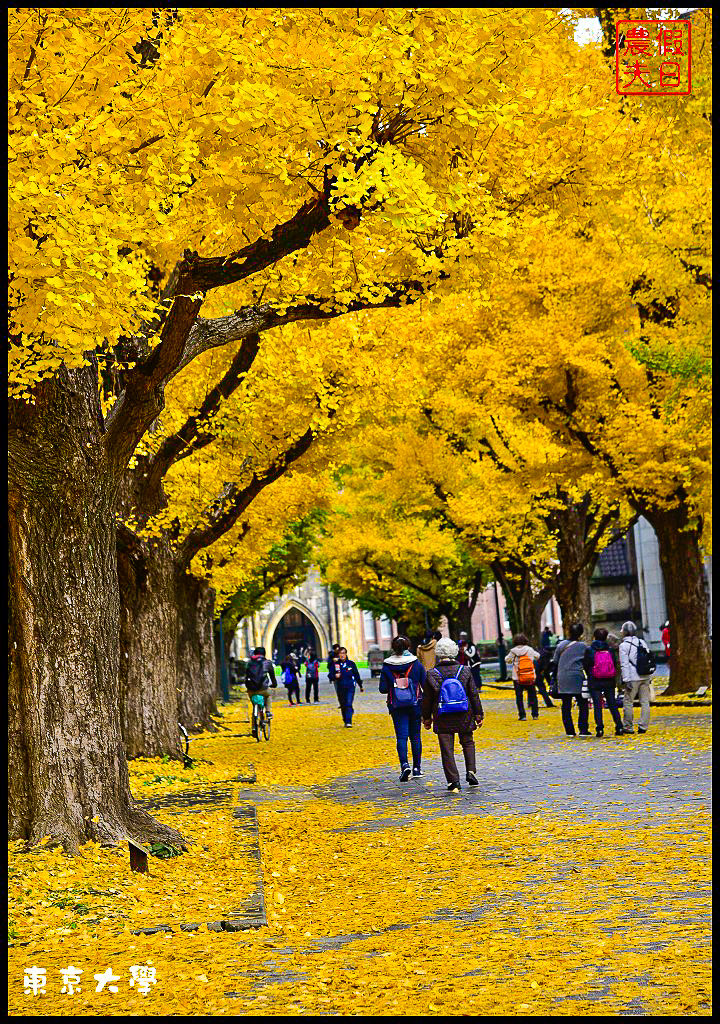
x=279, y=614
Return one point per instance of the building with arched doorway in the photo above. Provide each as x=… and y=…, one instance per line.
x=310, y=615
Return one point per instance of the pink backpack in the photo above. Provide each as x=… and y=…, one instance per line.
x=603, y=665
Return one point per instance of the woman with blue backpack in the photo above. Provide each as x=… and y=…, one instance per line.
x=600, y=670
x=451, y=704
x=291, y=678
x=402, y=679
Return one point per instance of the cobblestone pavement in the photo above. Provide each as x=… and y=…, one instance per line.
x=533, y=771
x=543, y=769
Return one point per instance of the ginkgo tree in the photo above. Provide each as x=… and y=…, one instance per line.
x=158, y=157
x=217, y=473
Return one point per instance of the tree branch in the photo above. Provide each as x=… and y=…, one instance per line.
x=188, y=438
x=235, y=500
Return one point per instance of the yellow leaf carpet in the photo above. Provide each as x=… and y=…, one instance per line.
x=573, y=880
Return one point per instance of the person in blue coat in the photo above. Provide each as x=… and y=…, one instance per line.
x=346, y=676
x=403, y=679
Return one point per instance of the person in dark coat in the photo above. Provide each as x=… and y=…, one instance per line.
x=331, y=659
x=312, y=676
x=346, y=677
x=446, y=724
x=569, y=668
x=402, y=679
x=601, y=659
x=291, y=677
x=544, y=665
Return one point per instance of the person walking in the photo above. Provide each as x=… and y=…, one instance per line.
x=600, y=668
x=522, y=657
x=451, y=704
x=331, y=659
x=637, y=666
x=543, y=668
x=471, y=658
x=312, y=677
x=426, y=650
x=260, y=677
x=347, y=676
x=402, y=679
x=665, y=637
x=569, y=669
x=291, y=677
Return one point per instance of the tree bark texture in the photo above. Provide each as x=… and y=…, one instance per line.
x=68, y=772
x=197, y=703
x=524, y=606
x=148, y=649
x=167, y=663
x=572, y=586
x=686, y=595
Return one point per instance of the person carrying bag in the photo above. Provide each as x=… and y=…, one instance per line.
x=451, y=704
x=402, y=679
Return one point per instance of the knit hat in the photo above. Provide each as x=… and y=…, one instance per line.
x=446, y=648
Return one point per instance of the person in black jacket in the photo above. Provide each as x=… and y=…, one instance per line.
x=600, y=665
x=312, y=676
x=403, y=679
x=331, y=659
x=260, y=677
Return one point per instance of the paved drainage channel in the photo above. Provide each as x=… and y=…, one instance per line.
x=251, y=913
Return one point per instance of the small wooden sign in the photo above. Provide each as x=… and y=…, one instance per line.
x=138, y=858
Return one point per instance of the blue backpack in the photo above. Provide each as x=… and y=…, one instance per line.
x=452, y=695
x=288, y=677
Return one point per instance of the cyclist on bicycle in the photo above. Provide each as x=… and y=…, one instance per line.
x=260, y=676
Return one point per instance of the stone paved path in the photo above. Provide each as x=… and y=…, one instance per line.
x=538, y=772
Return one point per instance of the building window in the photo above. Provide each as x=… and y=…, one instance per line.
x=369, y=625
x=385, y=628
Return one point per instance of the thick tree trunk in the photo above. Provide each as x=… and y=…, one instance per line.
x=197, y=703
x=572, y=588
x=573, y=595
x=462, y=620
x=524, y=607
x=687, y=600
x=68, y=773
x=149, y=648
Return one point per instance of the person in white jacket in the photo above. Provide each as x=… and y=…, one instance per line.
x=634, y=685
x=521, y=648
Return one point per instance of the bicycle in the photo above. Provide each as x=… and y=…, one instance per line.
x=260, y=720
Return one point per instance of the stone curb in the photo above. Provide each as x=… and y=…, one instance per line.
x=253, y=914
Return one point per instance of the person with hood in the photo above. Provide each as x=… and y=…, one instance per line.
x=451, y=704
x=426, y=650
x=636, y=680
x=402, y=679
x=346, y=676
x=600, y=668
x=569, y=669
x=260, y=677
x=522, y=657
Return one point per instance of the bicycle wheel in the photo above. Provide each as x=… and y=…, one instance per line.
x=266, y=727
x=255, y=723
